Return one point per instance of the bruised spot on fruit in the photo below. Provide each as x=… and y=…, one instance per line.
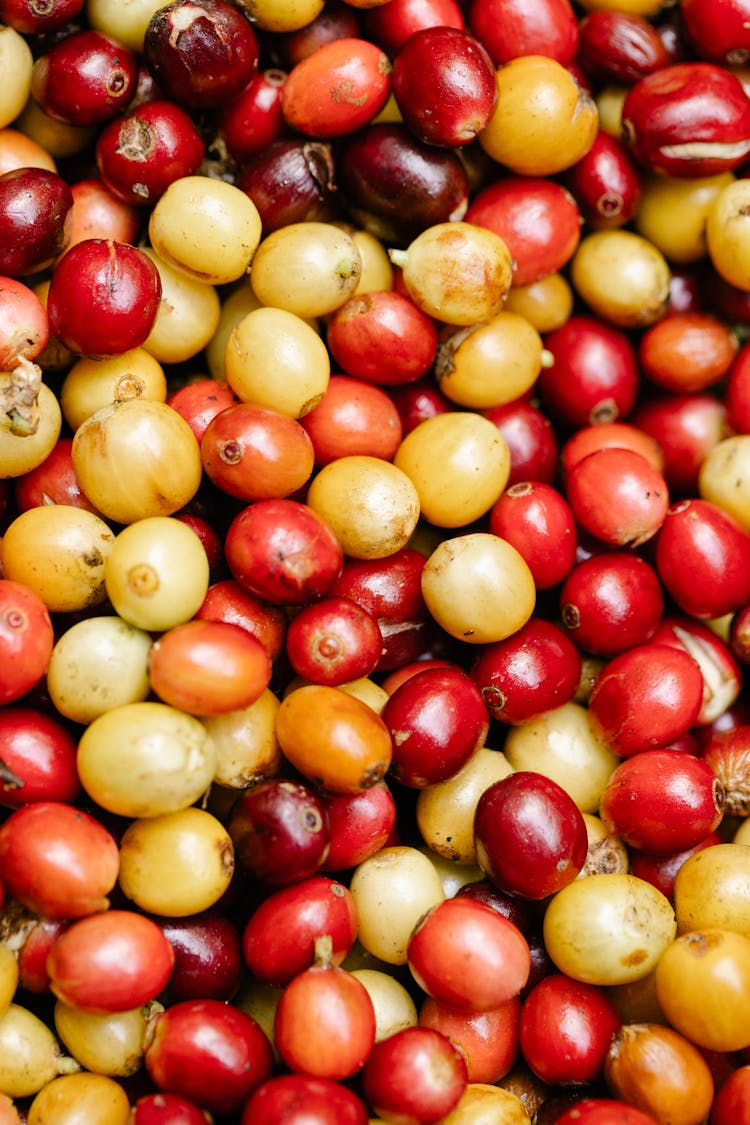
x=136, y=140
x=702, y=943
x=344, y=92
x=634, y=958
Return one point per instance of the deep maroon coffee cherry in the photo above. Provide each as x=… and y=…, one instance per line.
x=443, y=81
x=142, y=153
x=201, y=54
x=395, y=186
x=279, y=831
x=619, y=47
x=690, y=119
x=532, y=671
x=289, y=181
x=530, y=835
x=662, y=801
x=207, y=956
x=34, y=220
x=103, y=297
x=437, y=721
x=85, y=79
x=646, y=698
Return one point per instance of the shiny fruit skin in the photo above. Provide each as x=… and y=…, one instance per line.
x=566, y=1029
x=283, y=552
x=26, y=639
x=278, y=940
x=110, y=962
x=207, y=1051
x=333, y=739
x=437, y=721
x=293, y=1099
x=493, y=955
x=324, y=1025
x=662, y=801
x=530, y=836
x=57, y=860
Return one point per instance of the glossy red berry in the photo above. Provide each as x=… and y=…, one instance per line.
x=530, y=836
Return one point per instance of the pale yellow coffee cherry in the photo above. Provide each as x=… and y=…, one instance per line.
x=308, y=268
x=205, y=228
x=478, y=588
x=370, y=504
x=16, y=62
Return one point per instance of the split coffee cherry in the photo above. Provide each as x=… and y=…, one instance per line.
x=645, y=698
x=203, y=55
x=103, y=298
x=688, y=119
x=140, y=154
x=530, y=835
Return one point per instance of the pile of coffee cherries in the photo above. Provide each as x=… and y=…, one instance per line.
x=375, y=588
